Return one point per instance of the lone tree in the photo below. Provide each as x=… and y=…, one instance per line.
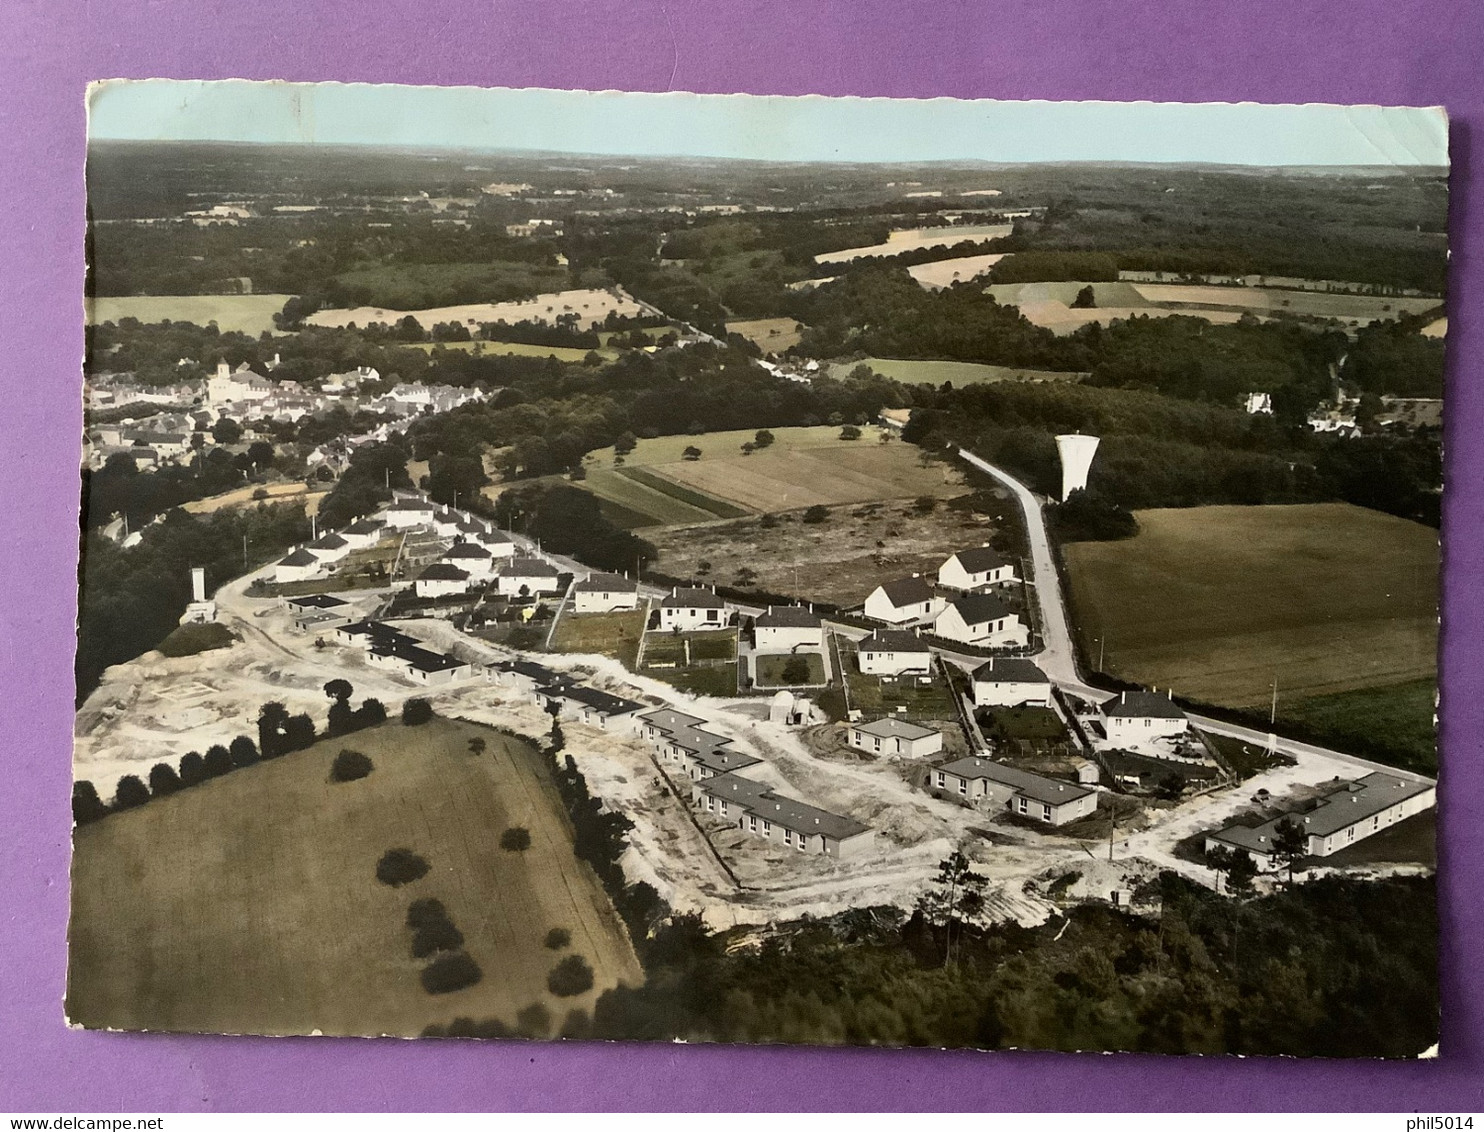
x=850, y=432
x=958, y=893
x=88, y=807
x=416, y=711
x=558, y=938
x=516, y=839
x=762, y=438
x=163, y=780
x=450, y=972
x=796, y=670
x=476, y=746
x=1290, y=843
x=691, y=452
x=243, y=751
x=339, y=689
x=1236, y=865
x=400, y=866
x=129, y=793
x=350, y=765
x=1085, y=299
x=571, y=976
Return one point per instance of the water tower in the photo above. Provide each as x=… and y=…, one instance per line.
x=1076, y=458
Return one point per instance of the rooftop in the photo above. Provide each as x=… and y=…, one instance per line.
x=317, y=601
x=1142, y=705
x=1014, y=669
x=1348, y=803
x=594, y=698
x=443, y=572
x=975, y=609
x=978, y=559
x=466, y=550
x=606, y=583
x=788, y=617
x=1052, y=791
x=528, y=568
x=300, y=557
x=907, y=591
x=758, y=799
x=891, y=728
x=892, y=640
x=688, y=598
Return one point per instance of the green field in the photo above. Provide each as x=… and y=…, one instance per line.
x=608, y=634
x=250, y=904
x=959, y=373
x=519, y=350
x=670, y=648
x=770, y=670
x=671, y=449
x=1218, y=602
x=717, y=508
x=873, y=698
x=251, y=314
x=640, y=504
x=1394, y=723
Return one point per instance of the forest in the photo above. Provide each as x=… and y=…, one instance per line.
x=1333, y=967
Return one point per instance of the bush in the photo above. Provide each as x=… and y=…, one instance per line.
x=517, y=839
x=370, y=713
x=571, y=976
x=534, y=1021
x=450, y=973
x=850, y=432
x=244, y=751
x=349, y=765
x=218, y=761
x=163, y=780
x=796, y=670
x=129, y=793
x=817, y=514
x=400, y=866
x=435, y=937
x=558, y=938
x=416, y=711
x=192, y=769
x=86, y=805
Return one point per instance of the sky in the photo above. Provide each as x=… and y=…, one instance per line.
x=771, y=128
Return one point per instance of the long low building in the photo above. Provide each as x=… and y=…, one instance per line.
x=892, y=736
x=981, y=780
x=586, y=705
x=681, y=740
x=756, y=809
x=1351, y=812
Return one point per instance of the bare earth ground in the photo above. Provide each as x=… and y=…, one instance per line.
x=1214, y=601
x=836, y=561
x=253, y=904
x=277, y=493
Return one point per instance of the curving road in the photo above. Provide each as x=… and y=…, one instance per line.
x=1059, y=659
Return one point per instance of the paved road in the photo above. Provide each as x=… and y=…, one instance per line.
x=1059, y=659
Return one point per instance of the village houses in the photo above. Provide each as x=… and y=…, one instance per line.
x=894, y=652
x=689, y=608
x=906, y=601
x=982, y=781
x=605, y=593
x=981, y=619
x=1131, y=718
x=976, y=569
x=1010, y=682
x=788, y=628
x=892, y=736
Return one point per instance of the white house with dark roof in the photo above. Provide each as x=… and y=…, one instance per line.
x=408, y=511
x=982, y=781
x=473, y=558
x=297, y=566
x=905, y=601
x=976, y=569
x=1130, y=718
x=446, y=522
x=441, y=579
x=526, y=576
x=680, y=740
x=894, y=652
x=585, y=705
x=758, y=810
x=605, y=593
x=1349, y=813
x=493, y=539
x=363, y=533
x=892, y=736
x=788, y=628
x=981, y=619
x=1010, y=682
x=692, y=608
x=328, y=548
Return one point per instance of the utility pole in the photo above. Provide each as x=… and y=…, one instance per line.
x=1112, y=825
x=244, y=554
x=1102, y=644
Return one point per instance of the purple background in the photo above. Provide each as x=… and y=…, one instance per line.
x=1348, y=51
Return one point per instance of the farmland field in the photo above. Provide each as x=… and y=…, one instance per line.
x=251, y=314
x=254, y=905
x=479, y=346
x=913, y=239
x=609, y=634
x=916, y=372
x=945, y=272
x=591, y=307
x=771, y=335
x=1214, y=602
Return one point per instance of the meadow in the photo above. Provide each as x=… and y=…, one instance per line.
x=591, y=306
x=1217, y=603
x=960, y=269
x=608, y=634
x=480, y=347
x=917, y=372
x=250, y=314
x=250, y=903
x=914, y=239
x=771, y=335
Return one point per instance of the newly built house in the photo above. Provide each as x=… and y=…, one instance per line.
x=982, y=781
x=894, y=652
x=605, y=593
x=1136, y=717
x=297, y=566
x=788, y=628
x=681, y=741
x=585, y=705
x=441, y=579
x=526, y=577
x=905, y=601
x=981, y=619
x=758, y=810
x=1349, y=813
x=692, y=608
x=1009, y=682
x=895, y=737
x=976, y=569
